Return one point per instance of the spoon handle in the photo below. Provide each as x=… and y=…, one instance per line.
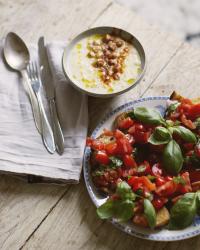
x=33, y=100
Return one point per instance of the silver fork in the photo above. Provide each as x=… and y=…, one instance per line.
x=47, y=133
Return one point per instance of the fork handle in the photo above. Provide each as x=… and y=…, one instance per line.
x=57, y=131
x=47, y=133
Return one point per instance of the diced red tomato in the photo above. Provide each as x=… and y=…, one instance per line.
x=129, y=161
x=111, y=148
x=159, y=202
x=194, y=175
x=188, y=123
x=141, y=182
x=130, y=139
x=185, y=188
x=95, y=144
x=160, y=181
x=123, y=146
x=156, y=170
x=128, y=172
x=118, y=134
x=140, y=219
x=132, y=180
x=166, y=189
x=168, y=178
x=126, y=123
x=147, y=168
x=188, y=146
x=102, y=157
x=194, y=111
x=142, y=137
x=135, y=128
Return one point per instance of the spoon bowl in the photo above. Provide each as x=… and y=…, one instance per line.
x=16, y=52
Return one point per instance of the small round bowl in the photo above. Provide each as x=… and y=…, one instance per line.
x=103, y=30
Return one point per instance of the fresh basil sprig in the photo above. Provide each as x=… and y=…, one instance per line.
x=185, y=134
x=160, y=136
x=148, y=116
x=150, y=213
x=172, y=157
x=184, y=210
x=122, y=209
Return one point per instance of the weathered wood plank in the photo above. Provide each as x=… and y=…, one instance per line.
x=73, y=223
x=182, y=74
x=24, y=206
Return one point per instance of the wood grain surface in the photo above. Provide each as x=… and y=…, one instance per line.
x=50, y=217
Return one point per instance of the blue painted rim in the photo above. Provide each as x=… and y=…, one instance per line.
x=125, y=227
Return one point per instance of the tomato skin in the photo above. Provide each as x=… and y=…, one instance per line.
x=111, y=148
x=166, y=189
x=102, y=158
x=156, y=170
x=160, y=181
x=141, y=183
x=168, y=178
x=126, y=123
x=194, y=111
x=129, y=161
x=188, y=123
x=194, y=175
x=130, y=139
x=95, y=144
x=187, y=186
x=188, y=146
x=159, y=202
x=123, y=146
x=118, y=134
x=142, y=137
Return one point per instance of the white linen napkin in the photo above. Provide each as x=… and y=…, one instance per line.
x=21, y=149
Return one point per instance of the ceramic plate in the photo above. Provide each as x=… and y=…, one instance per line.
x=128, y=227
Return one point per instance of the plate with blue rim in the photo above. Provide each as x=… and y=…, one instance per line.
x=159, y=103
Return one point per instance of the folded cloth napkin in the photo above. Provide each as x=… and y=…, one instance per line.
x=22, y=152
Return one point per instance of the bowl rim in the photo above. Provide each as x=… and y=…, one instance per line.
x=97, y=29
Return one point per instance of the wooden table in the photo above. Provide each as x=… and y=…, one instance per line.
x=52, y=217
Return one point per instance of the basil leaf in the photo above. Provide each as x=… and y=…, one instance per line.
x=150, y=213
x=185, y=134
x=172, y=107
x=106, y=210
x=172, y=157
x=115, y=162
x=183, y=212
x=160, y=136
x=131, y=115
x=179, y=180
x=141, y=168
x=148, y=115
x=123, y=209
x=125, y=191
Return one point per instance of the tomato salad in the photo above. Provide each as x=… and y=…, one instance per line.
x=149, y=166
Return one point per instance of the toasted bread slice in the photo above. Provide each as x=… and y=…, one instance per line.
x=177, y=97
x=119, y=118
x=162, y=217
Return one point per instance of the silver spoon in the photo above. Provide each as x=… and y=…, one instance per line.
x=17, y=57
